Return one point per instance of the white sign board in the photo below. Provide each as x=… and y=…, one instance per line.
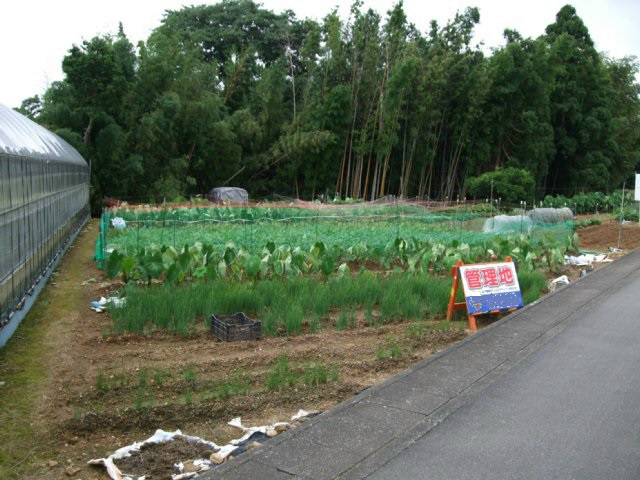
x=491, y=286
x=637, y=192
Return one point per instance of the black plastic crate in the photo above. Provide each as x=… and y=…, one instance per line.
x=238, y=326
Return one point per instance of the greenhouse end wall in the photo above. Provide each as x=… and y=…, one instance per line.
x=44, y=195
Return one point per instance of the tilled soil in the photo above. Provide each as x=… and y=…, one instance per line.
x=103, y=392
x=609, y=235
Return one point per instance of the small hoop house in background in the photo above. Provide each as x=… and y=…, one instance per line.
x=226, y=195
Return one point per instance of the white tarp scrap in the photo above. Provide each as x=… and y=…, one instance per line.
x=586, y=259
x=222, y=451
x=558, y=282
x=118, y=223
x=103, y=303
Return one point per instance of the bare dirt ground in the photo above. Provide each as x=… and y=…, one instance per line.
x=607, y=235
x=84, y=393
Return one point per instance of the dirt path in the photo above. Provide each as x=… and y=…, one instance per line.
x=38, y=361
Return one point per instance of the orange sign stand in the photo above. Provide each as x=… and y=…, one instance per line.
x=453, y=305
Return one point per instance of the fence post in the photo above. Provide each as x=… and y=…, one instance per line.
x=521, y=216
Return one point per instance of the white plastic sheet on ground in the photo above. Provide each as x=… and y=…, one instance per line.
x=584, y=260
x=222, y=451
x=558, y=282
x=103, y=303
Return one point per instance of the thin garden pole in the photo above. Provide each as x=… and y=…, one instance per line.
x=521, y=216
x=397, y=220
x=621, y=214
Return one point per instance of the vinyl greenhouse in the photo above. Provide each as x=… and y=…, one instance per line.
x=44, y=195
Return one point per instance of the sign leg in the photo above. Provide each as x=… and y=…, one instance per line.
x=472, y=323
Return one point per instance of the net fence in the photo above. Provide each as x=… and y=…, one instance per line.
x=129, y=228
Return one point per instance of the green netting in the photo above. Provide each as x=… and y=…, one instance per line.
x=101, y=242
x=253, y=227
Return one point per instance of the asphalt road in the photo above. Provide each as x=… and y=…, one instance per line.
x=571, y=410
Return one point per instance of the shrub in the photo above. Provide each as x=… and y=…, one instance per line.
x=511, y=184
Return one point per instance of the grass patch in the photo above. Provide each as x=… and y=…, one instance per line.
x=532, y=284
x=138, y=399
x=319, y=374
x=237, y=385
x=160, y=377
x=143, y=377
x=391, y=349
x=280, y=376
x=283, y=376
x=189, y=375
x=102, y=384
x=346, y=319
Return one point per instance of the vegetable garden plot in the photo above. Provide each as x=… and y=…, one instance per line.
x=230, y=264
x=252, y=228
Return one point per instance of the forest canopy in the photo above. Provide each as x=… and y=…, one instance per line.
x=360, y=107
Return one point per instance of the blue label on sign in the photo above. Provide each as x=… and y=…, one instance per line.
x=494, y=301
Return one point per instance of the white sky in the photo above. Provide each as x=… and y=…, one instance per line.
x=36, y=34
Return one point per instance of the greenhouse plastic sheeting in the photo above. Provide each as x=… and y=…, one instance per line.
x=508, y=224
x=229, y=195
x=538, y=218
x=44, y=195
x=550, y=215
x=22, y=137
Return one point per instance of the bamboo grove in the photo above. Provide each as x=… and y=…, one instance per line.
x=359, y=107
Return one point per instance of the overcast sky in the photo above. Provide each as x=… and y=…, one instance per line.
x=36, y=35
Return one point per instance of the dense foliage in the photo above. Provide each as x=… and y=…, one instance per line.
x=361, y=107
x=509, y=184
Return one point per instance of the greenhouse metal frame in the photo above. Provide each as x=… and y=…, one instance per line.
x=44, y=201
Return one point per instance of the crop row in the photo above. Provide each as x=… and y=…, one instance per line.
x=200, y=261
x=300, y=304
x=252, y=237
